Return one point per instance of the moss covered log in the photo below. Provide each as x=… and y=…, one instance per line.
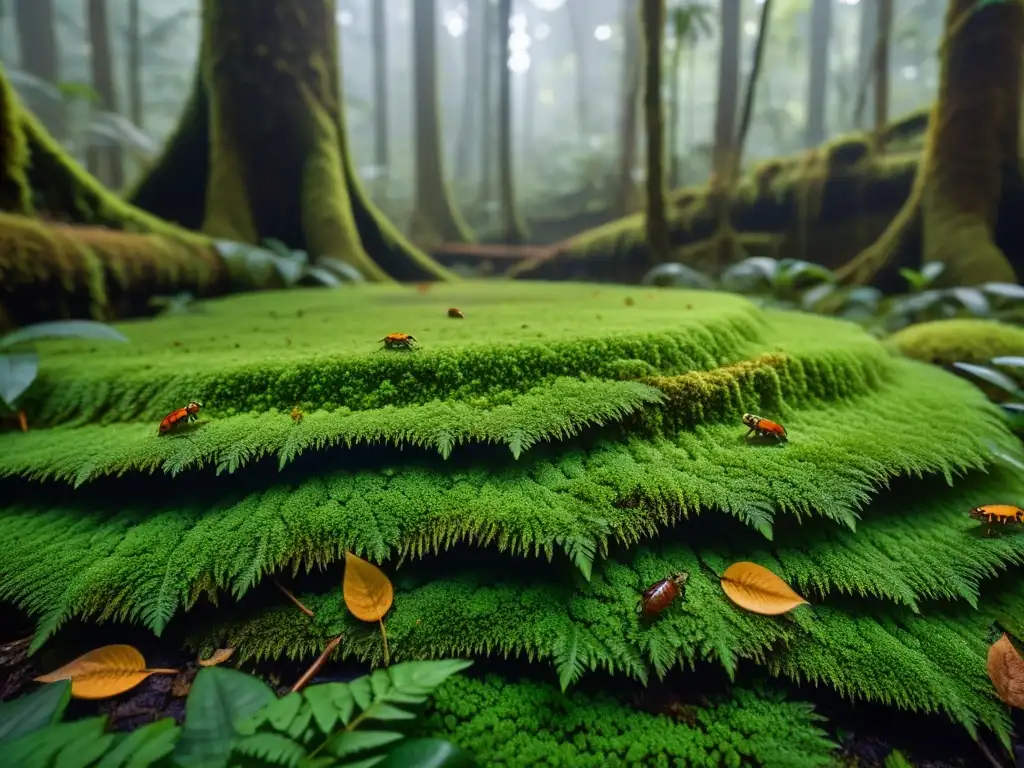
x=268, y=78
x=602, y=447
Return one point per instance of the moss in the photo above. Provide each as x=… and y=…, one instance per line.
x=15, y=192
x=507, y=724
x=944, y=342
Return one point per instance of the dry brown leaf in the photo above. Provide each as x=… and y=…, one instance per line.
x=217, y=657
x=368, y=592
x=756, y=589
x=104, y=672
x=1006, y=671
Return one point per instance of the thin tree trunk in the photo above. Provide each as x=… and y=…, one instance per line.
x=435, y=217
x=728, y=91
x=882, y=68
x=653, y=14
x=379, y=24
x=867, y=38
x=674, y=111
x=136, y=105
x=487, y=102
x=580, y=42
x=475, y=51
x=514, y=228
x=629, y=116
x=37, y=48
x=817, y=80
x=103, y=82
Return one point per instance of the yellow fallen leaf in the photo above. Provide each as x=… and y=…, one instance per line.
x=756, y=589
x=1006, y=671
x=217, y=657
x=368, y=593
x=104, y=672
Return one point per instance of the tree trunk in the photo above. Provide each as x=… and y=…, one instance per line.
x=653, y=13
x=817, y=88
x=109, y=158
x=435, y=218
x=881, y=68
x=37, y=47
x=381, y=128
x=728, y=91
x=512, y=224
x=475, y=51
x=487, y=72
x=580, y=43
x=624, y=200
x=867, y=38
x=136, y=104
x=269, y=78
x=970, y=172
x=674, y=111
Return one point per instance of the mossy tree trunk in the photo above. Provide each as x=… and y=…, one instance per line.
x=971, y=165
x=512, y=224
x=817, y=79
x=435, y=219
x=261, y=152
x=653, y=13
x=625, y=188
x=106, y=163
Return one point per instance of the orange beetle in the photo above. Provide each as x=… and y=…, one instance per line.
x=180, y=416
x=660, y=595
x=455, y=312
x=764, y=427
x=997, y=513
x=398, y=341
x=296, y=414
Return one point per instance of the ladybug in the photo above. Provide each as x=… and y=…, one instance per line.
x=455, y=312
x=659, y=596
x=398, y=341
x=180, y=416
x=997, y=513
x=764, y=427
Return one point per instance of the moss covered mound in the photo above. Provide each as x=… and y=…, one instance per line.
x=531, y=468
x=966, y=340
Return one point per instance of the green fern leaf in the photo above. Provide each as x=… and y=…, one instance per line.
x=144, y=746
x=517, y=441
x=272, y=748
x=423, y=677
x=353, y=742
x=581, y=551
x=281, y=712
x=567, y=659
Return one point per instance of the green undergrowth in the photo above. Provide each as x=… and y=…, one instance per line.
x=508, y=724
x=162, y=546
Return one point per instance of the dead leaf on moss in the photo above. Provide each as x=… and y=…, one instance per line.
x=368, y=593
x=756, y=589
x=217, y=657
x=1006, y=671
x=104, y=672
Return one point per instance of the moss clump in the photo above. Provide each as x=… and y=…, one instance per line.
x=610, y=483
x=508, y=724
x=944, y=342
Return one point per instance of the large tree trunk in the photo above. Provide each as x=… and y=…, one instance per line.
x=487, y=72
x=475, y=51
x=817, y=81
x=625, y=189
x=381, y=127
x=435, y=218
x=109, y=159
x=37, y=48
x=580, y=44
x=512, y=223
x=269, y=80
x=653, y=13
x=728, y=92
x=971, y=163
x=881, y=65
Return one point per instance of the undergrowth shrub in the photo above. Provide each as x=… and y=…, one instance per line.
x=531, y=476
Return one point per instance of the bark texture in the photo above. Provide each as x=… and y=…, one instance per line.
x=971, y=165
x=512, y=222
x=653, y=15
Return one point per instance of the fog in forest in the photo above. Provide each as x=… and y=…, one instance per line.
x=116, y=74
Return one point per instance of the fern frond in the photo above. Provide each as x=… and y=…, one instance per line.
x=566, y=658
x=272, y=748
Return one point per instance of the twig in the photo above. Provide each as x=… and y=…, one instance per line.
x=317, y=665
x=294, y=599
x=384, y=635
x=988, y=754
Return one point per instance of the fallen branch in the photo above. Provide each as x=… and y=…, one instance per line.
x=317, y=665
x=294, y=599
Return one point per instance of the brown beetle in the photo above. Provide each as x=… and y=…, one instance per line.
x=455, y=312
x=659, y=596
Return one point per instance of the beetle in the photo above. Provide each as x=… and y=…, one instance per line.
x=455, y=312
x=660, y=595
x=180, y=416
x=764, y=427
x=398, y=341
x=296, y=414
x=997, y=513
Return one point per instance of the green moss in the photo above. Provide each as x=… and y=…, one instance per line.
x=15, y=192
x=507, y=724
x=962, y=340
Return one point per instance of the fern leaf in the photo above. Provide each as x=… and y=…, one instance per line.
x=272, y=748
x=568, y=661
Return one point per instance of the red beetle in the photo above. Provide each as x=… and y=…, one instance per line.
x=764, y=427
x=180, y=416
x=659, y=596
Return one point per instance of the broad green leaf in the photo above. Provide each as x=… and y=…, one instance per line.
x=990, y=376
x=17, y=372
x=144, y=746
x=368, y=762
x=757, y=271
x=380, y=682
x=815, y=295
x=795, y=271
x=361, y=692
x=322, y=276
x=864, y=295
x=26, y=714
x=914, y=279
x=932, y=270
x=1009, y=361
x=278, y=247
x=46, y=748
x=344, y=701
x=219, y=699
x=428, y=753
x=1004, y=290
x=383, y=711
x=280, y=713
x=63, y=329
x=345, y=271
x=426, y=675
x=678, y=276
x=974, y=301
x=300, y=723
x=351, y=742
x=322, y=704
